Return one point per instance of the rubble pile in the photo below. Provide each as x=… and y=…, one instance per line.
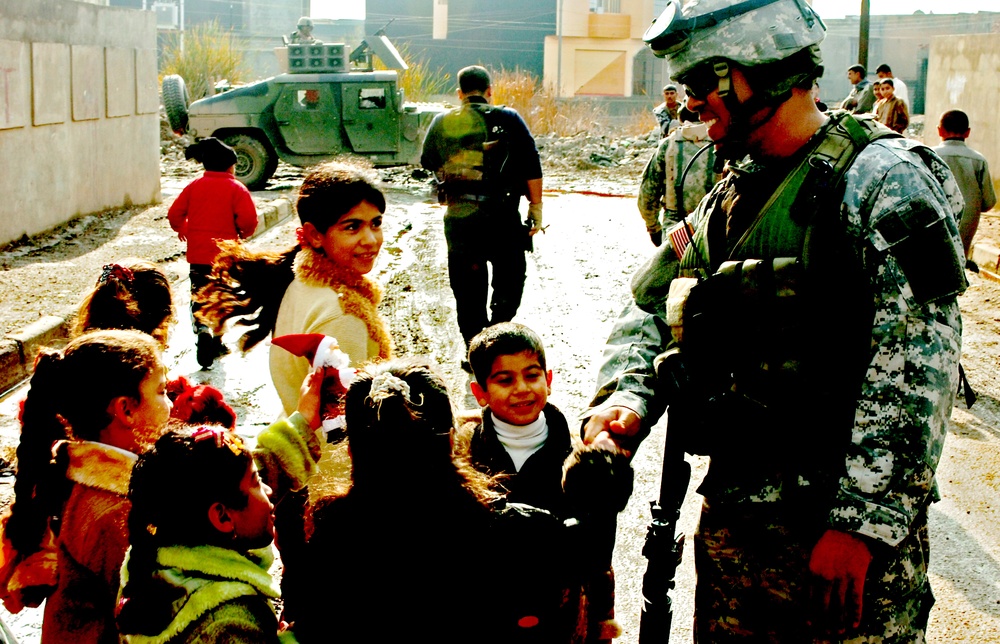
x=591, y=152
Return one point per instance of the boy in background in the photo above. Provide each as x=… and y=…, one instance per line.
x=891, y=111
x=972, y=172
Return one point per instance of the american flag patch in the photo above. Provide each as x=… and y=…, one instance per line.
x=680, y=238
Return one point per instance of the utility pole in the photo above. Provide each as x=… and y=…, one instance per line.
x=559, y=30
x=863, y=35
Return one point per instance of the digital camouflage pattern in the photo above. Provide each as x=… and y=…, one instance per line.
x=658, y=190
x=883, y=480
x=757, y=37
x=767, y=559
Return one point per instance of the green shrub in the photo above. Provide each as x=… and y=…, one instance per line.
x=419, y=82
x=209, y=55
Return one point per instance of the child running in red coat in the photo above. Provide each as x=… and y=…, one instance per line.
x=213, y=207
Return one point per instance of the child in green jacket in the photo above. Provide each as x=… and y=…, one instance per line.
x=197, y=568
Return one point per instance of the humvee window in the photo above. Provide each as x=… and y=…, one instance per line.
x=308, y=98
x=371, y=98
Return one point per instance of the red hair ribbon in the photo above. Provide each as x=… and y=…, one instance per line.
x=115, y=271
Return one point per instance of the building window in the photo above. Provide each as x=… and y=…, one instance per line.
x=605, y=6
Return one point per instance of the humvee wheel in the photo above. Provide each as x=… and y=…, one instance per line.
x=175, y=103
x=255, y=163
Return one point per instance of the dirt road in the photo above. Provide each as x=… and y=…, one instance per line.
x=577, y=284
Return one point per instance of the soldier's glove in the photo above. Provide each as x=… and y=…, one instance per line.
x=657, y=238
x=535, y=216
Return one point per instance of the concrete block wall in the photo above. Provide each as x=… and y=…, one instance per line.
x=963, y=73
x=79, y=112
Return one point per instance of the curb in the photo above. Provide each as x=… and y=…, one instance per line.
x=988, y=259
x=18, y=349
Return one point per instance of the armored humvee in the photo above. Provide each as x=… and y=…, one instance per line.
x=329, y=102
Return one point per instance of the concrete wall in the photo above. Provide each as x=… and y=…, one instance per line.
x=79, y=112
x=963, y=73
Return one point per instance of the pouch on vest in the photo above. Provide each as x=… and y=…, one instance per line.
x=918, y=238
x=476, y=167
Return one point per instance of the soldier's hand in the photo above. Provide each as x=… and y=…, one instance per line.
x=657, y=238
x=839, y=564
x=608, y=427
x=535, y=217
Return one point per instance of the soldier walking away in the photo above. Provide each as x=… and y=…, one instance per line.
x=664, y=184
x=303, y=33
x=807, y=340
x=972, y=172
x=485, y=159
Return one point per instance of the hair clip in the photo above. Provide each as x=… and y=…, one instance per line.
x=115, y=271
x=300, y=237
x=384, y=385
x=221, y=437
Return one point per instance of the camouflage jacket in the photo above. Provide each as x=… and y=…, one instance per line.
x=660, y=180
x=882, y=467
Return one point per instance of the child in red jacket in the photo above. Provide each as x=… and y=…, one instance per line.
x=214, y=206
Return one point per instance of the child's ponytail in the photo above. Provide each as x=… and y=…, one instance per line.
x=248, y=285
x=36, y=497
x=69, y=396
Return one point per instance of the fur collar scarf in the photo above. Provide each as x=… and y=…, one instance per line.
x=206, y=577
x=100, y=466
x=359, y=294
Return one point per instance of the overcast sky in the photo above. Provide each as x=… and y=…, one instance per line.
x=355, y=9
x=841, y=8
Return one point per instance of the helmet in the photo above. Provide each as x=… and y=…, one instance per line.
x=745, y=32
x=304, y=21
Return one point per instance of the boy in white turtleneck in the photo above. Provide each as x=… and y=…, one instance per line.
x=525, y=440
x=521, y=436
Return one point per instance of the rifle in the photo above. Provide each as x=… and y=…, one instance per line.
x=662, y=549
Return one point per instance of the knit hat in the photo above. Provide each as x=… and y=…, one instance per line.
x=323, y=351
x=212, y=153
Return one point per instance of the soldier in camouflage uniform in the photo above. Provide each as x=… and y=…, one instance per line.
x=661, y=186
x=667, y=111
x=303, y=33
x=807, y=340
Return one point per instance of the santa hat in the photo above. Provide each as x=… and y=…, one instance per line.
x=323, y=351
x=320, y=350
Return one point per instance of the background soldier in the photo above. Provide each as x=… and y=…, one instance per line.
x=485, y=159
x=661, y=186
x=813, y=337
x=303, y=33
x=667, y=111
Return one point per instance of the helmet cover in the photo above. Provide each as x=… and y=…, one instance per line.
x=746, y=32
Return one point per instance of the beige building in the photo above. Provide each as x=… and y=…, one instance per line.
x=595, y=47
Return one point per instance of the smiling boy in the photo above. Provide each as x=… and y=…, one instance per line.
x=521, y=436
